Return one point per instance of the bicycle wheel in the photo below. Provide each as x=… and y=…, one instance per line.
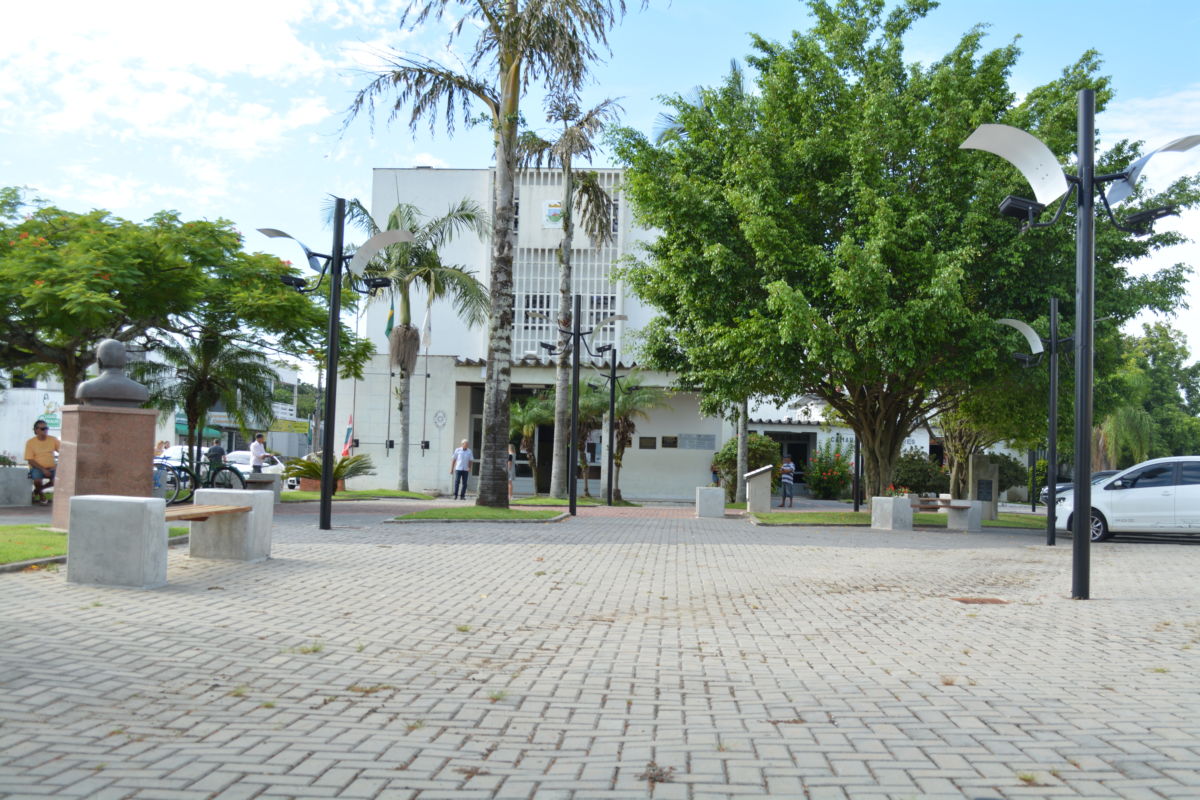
x=226, y=477
x=180, y=481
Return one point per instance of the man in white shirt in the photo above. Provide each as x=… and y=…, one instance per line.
x=258, y=452
x=460, y=469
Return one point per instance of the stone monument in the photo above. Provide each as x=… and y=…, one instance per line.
x=107, y=438
x=983, y=484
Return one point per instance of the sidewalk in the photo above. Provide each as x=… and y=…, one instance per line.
x=609, y=657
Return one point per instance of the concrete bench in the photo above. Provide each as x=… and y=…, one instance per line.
x=962, y=515
x=710, y=501
x=122, y=541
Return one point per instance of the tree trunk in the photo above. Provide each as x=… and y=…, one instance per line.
x=72, y=374
x=743, y=452
x=562, y=374
x=402, y=447
x=493, y=466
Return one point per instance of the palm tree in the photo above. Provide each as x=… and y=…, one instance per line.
x=524, y=419
x=1128, y=428
x=576, y=139
x=633, y=402
x=418, y=263
x=519, y=42
x=207, y=370
x=593, y=405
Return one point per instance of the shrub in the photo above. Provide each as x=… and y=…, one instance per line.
x=916, y=471
x=1013, y=472
x=828, y=472
x=345, y=467
x=762, y=450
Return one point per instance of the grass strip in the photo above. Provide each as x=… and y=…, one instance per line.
x=30, y=542
x=352, y=494
x=547, y=500
x=927, y=519
x=482, y=513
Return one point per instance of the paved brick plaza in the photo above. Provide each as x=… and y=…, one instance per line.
x=455, y=661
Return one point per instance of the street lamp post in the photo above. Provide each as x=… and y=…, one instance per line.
x=333, y=264
x=1041, y=169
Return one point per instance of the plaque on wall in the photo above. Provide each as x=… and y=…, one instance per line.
x=698, y=441
x=983, y=489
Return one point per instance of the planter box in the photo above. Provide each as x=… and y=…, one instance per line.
x=15, y=487
x=891, y=513
x=314, y=485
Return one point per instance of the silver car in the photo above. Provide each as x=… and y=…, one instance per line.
x=1161, y=495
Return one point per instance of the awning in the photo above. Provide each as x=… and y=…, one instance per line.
x=207, y=433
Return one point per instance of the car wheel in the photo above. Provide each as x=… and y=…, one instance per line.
x=1099, y=527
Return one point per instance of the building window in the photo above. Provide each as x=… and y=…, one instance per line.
x=616, y=215
x=670, y=441
x=516, y=215
x=647, y=443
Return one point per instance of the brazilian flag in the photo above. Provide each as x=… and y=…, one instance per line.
x=387, y=331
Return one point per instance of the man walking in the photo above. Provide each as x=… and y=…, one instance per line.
x=39, y=452
x=258, y=452
x=460, y=469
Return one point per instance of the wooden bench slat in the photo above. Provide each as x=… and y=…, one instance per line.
x=196, y=513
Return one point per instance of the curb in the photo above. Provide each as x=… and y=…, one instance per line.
x=20, y=566
x=559, y=518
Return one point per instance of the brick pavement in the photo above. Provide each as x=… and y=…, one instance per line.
x=586, y=658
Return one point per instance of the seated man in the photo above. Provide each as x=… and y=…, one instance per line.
x=39, y=452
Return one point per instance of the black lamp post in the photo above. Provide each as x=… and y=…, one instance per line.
x=577, y=342
x=333, y=263
x=1041, y=169
x=613, y=384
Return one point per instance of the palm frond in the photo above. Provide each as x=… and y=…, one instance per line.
x=428, y=89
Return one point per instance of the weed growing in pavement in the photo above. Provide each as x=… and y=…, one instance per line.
x=496, y=697
x=239, y=691
x=309, y=649
x=369, y=690
x=463, y=629
x=1028, y=778
x=1160, y=669
x=116, y=731
x=414, y=726
x=267, y=704
x=360, y=647
x=656, y=774
x=947, y=680
x=539, y=573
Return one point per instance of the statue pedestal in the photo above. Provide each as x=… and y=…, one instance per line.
x=106, y=450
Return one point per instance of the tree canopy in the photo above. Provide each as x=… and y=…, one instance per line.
x=825, y=234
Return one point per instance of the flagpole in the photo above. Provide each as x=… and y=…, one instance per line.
x=387, y=335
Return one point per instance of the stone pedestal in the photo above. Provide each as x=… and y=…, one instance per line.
x=891, y=513
x=983, y=484
x=106, y=450
x=117, y=541
x=269, y=482
x=710, y=501
x=15, y=487
x=758, y=490
x=239, y=537
x=965, y=519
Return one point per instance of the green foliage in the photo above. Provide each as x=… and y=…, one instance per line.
x=1013, y=471
x=828, y=473
x=523, y=421
x=1040, y=471
x=761, y=451
x=344, y=468
x=864, y=261
x=917, y=472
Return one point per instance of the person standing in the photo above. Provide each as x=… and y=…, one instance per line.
x=787, y=472
x=258, y=452
x=512, y=468
x=40, y=453
x=460, y=469
x=216, y=454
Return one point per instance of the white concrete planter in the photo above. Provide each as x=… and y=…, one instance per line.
x=15, y=487
x=891, y=513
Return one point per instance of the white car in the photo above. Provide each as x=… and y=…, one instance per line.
x=240, y=460
x=1159, y=495
x=174, y=454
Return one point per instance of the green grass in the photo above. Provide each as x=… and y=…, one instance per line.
x=930, y=520
x=481, y=512
x=352, y=494
x=547, y=500
x=29, y=542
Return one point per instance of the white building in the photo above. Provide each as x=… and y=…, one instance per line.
x=671, y=452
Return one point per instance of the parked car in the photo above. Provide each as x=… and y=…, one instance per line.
x=174, y=454
x=240, y=460
x=1159, y=495
x=1066, y=486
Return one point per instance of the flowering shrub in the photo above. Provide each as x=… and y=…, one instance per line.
x=829, y=469
x=893, y=490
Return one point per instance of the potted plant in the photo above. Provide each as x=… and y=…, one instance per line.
x=308, y=471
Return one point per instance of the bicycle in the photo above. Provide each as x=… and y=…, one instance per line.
x=179, y=483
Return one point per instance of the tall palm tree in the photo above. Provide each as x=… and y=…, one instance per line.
x=524, y=419
x=419, y=264
x=581, y=191
x=633, y=402
x=519, y=42
x=593, y=405
x=1128, y=428
x=204, y=371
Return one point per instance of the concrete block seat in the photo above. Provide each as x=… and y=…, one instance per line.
x=710, y=501
x=122, y=541
x=962, y=515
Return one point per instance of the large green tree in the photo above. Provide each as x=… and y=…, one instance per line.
x=418, y=265
x=69, y=280
x=574, y=138
x=517, y=43
x=866, y=258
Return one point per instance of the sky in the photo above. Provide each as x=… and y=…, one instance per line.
x=237, y=110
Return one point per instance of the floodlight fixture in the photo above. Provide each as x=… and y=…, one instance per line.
x=293, y=281
x=377, y=283
x=1025, y=152
x=1143, y=221
x=1021, y=208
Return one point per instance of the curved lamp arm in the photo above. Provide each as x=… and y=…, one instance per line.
x=1031, y=336
x=364, y=254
